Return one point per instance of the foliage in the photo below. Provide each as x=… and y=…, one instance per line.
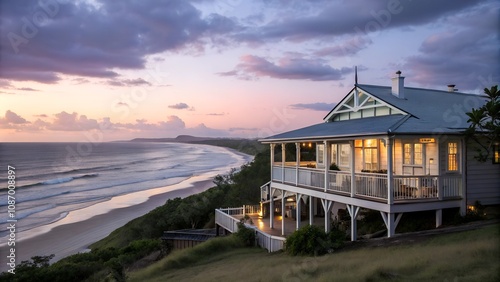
x=485, y=125
x=246, y=235
x=312, y=240
x=334, y=166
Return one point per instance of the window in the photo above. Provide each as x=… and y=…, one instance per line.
x=413, y=154
x=345, y=152
x=452, y=156
x=496, y=154
x=320, y=153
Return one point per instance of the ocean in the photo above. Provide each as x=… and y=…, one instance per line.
x=54, y=180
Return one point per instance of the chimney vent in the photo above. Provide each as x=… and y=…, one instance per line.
x=451, y=88
x=398, y=85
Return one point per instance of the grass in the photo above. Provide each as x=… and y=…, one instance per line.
x=464, y=256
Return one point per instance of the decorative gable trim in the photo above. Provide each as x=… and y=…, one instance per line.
x=361, y=104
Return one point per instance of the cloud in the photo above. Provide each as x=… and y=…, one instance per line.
x=127, y=82
x=12, y=118
x=301, y=22
x=473, y=43
x=73, y=122
x=347, y=48
x=216, y=114
x=26, y=89
x=41, y=116
x=243, y=129
x=96, y=41
x=314, y=106
x=288, y=67
x=181, y=106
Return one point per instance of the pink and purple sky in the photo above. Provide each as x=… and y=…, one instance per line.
x=95, y=70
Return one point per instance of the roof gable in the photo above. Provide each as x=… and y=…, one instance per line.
x=360, y=103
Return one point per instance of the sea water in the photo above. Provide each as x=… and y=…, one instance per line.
x=54, y=179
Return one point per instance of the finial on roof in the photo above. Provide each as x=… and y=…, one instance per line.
x=355, y=75
x=398, y=72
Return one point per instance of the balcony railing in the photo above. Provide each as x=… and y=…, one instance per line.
x=373, y=185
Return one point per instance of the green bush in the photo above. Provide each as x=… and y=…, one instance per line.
x=312, y=240
x=246, y=235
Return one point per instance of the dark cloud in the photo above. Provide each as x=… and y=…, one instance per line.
x=41, y=116
x=466, y=55
x=351, y=17
x=288, y=67
x=179, y=106
x=314, y=106
x=43, y=39
x=128, y=82
x=347, y=48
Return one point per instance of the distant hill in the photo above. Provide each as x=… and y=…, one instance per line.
x=247, y=146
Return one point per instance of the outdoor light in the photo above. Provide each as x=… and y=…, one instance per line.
x=310, y=145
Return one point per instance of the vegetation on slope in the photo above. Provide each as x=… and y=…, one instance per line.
x=464, y=256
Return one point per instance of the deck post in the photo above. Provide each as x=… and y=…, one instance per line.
x=283, y=159
x=244, y=212
x=439, y=217
x=353, y=212
x=390, y=177
x=297, y=166
x=282, y=212
x=311, y=210
x=326, y=159
x=353, y=174
x=272, y=158
x=297, y=210
x=327, y=206
x=271, y=208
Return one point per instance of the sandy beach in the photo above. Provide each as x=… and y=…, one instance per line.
x=71, y=238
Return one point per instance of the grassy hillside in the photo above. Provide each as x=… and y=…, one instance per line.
x=464, y=256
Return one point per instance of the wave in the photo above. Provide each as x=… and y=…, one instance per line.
x=58, y=180
x=20, y=214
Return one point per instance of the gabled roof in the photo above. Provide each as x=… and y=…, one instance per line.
x=423, y=111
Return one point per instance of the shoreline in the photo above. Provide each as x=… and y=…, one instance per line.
x=71, y=238
x=80, y=228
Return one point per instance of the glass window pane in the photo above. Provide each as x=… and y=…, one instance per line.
x=407, y=154
x=345, y=151
x=320, y=152
x=417, y=158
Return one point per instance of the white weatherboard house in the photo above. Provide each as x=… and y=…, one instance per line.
x=399, y=149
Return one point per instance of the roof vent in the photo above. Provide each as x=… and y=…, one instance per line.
x=398, y=85
x=451, y=88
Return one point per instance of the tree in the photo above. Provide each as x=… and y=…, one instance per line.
x=484, y=128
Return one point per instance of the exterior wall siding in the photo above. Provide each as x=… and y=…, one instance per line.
x=483, y=180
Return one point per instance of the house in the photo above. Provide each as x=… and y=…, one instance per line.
x=392, y=149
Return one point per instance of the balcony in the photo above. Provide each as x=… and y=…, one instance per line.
x=372, y=186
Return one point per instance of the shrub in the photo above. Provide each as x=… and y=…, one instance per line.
x=312, y=240
x=245, y=235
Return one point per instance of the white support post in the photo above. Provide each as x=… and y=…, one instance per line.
x=272, y=159
x=297, y=166
x=326, y=160
x=283, y=159
x=439, y=218
x=327, y=206
x=390, y=168
x=463, y=186
x=298, y=211
x=353, y=174
x=271, y=208
x=353, y=212
x=311, y=210
x=243, y=210
x=283, y=212
x=390, y=222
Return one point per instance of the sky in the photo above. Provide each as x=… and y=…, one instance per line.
x=96, y=70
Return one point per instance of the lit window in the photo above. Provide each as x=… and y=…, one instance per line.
x=413, y=154
x=320, y=153
x=496, y=154
x=452, y=156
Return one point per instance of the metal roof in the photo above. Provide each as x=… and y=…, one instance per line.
x=430, y=112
